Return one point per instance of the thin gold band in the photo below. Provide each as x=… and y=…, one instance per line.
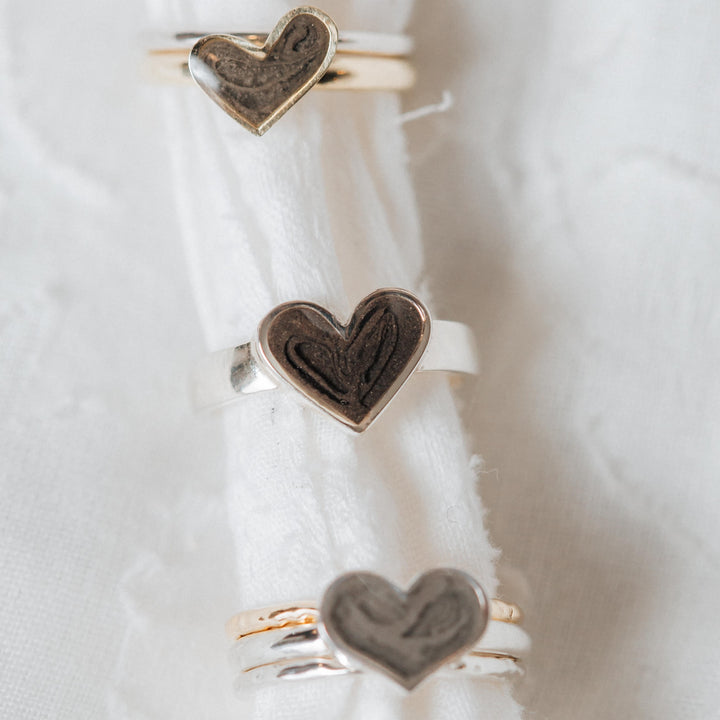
x=274, y=617
x=348, y=71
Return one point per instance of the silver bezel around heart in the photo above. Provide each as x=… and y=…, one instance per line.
x=406, y=635
x=370, y=379
x=219, y=89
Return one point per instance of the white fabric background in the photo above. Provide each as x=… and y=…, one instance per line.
x=566, y=207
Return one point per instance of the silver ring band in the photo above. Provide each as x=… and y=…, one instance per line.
x=355, y=43
x=316, y=667
x=301, y=643
x=228, y=374
x=349, y=71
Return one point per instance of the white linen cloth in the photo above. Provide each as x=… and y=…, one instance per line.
x=568, y=206
x=322, y=209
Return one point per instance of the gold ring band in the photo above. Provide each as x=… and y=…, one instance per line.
x=348, y=71
x=274, y=617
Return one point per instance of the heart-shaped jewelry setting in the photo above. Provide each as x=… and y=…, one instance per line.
x=351, y=371
x=256, y=84
x=406, y=635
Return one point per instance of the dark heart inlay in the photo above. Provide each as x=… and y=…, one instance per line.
x=257, y=85
x=351, y=371
x=406, y=635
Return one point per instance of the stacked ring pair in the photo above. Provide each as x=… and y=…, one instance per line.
x=257, y=77
x=443, y=622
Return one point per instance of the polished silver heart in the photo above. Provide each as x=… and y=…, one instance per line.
x=406, y=635
x=257, y=84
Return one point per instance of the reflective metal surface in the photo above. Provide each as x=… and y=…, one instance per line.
x=351, y=371
x=367, y=621
x=303, y=641
x=482, y=666
x=257, y=84
x=439, y=625
x=290, y=615
x=350, y=42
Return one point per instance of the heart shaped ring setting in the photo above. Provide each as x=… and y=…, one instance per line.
x=257, y=77
x=443, y=623
x=351, y=370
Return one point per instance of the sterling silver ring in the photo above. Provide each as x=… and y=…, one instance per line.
x=351, y=371
x=443, y=624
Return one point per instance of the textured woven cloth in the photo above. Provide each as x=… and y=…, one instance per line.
x=552, y=181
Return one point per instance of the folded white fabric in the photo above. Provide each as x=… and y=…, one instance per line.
x=575, y=180
x=321, y=209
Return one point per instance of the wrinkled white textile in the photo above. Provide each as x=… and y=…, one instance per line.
x=566, y=206
x=322, y=209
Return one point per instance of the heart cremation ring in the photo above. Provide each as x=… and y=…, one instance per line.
x=257, y=77
x=351, y=370
x=444, y=622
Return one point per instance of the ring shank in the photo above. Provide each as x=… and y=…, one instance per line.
x=363, y=61
x=347, y=71
x=300, y=651
x=327, y=666
x=273, y=617
x=225, y=375
x=352, y=42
